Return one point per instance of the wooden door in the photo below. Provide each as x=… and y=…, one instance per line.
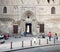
x=15, y=29
x=41, y=28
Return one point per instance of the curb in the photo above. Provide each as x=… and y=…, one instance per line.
x=32, y=47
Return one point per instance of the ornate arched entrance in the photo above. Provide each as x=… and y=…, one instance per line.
x=28, y=22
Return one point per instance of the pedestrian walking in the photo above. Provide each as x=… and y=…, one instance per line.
x=49, y=35
x=25, y=34
x=56, y=37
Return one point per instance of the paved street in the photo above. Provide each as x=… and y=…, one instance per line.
x=42, y=49
x=17, y=44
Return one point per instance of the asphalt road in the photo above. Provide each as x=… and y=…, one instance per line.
x=42, y=49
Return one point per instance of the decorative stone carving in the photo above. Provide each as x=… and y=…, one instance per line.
x=22, y=1
x=15, y=6
x=38, y=1
x=5, y=19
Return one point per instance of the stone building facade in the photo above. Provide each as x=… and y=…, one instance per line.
x=30, y=16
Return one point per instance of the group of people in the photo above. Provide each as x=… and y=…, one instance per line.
x=6, y=36
x=49, y=36
x=55, y=36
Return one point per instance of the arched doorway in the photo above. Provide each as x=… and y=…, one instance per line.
x=28, y=22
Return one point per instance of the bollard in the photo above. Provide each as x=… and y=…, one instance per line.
x=54, y=41
x=31, y=43
x=39, y=42
x=11, y=46
x=22, y=44
x=47, y=41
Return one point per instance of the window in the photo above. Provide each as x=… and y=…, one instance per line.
x=53, y=0
x=5, y=10
x=28, y=17
x=48, y=1
x=53, y=10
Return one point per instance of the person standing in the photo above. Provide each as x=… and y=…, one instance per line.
x=49, y=35
x=4, y=37
x=7, y=36
x=34, y=39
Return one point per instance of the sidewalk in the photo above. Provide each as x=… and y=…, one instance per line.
x=26, y=42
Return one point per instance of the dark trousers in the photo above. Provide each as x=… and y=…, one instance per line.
x=49, y=38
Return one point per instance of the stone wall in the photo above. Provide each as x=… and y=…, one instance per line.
x=41, y=10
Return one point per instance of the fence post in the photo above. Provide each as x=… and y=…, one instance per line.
x=22, y=44
x=11, y=45
x=47, y=41
x=39, y=41
x=31, y=43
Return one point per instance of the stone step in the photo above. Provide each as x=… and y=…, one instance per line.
x=29, y=35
